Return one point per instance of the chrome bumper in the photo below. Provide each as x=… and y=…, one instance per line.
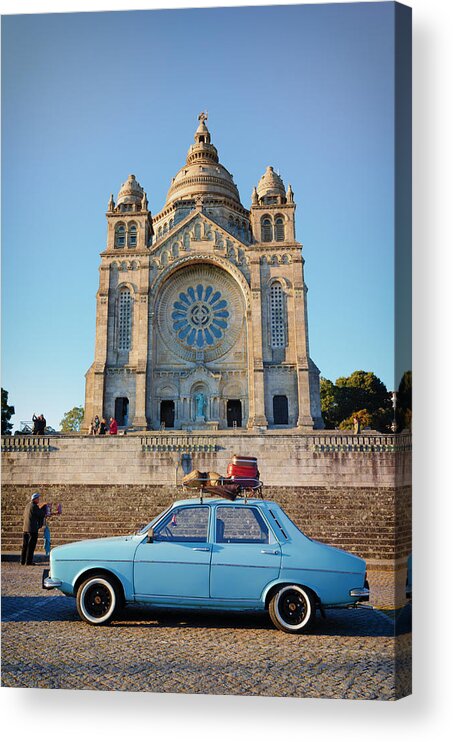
x=49, y=583
x=362, y=593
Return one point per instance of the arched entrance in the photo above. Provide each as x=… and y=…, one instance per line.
x=234, y=413
x=167, y=413
x=280, y=404
x=122, y=410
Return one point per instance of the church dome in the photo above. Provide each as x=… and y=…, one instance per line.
x=270, y=184
x=131, y=192
x=202, y=174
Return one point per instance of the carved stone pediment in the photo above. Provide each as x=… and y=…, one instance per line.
x=200, y=375
x=198, y=233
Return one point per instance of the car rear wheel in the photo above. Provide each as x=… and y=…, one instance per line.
x=292, y=609
x=97, y=600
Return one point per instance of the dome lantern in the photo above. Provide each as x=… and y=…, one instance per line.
x=271, y=185
x=130, y=192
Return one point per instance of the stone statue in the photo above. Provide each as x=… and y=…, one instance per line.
x=202, y=116
x=199, y=401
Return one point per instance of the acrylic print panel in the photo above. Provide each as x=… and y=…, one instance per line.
x=223, y=458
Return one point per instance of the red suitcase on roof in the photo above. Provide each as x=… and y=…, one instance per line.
x=243, y=470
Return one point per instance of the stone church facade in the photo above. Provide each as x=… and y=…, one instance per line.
x=201, y=317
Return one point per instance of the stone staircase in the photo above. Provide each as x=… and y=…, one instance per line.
x=87, y=514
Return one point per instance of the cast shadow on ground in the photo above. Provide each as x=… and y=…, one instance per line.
x=356, y=622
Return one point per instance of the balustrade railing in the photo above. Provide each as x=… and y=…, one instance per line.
x=322, y=442
x=26, y=443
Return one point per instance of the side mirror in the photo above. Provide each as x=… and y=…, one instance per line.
x=150, y=538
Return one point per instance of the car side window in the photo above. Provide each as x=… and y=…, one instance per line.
x=240, y=525
x=184, y=524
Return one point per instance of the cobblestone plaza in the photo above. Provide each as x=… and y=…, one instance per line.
x=351, y=654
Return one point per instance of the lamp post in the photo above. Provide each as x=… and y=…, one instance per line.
x=394, y=425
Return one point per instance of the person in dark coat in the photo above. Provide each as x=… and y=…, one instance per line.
x=34, y=515
x=42, y=424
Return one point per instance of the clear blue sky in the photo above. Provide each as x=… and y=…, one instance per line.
x=88, y=98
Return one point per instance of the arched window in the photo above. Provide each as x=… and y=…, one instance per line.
x=279, y=229
x=277, y=315
x=159, y=233
x=132, y=236
x=120, y=235
x=124, y=320
x=266, y=229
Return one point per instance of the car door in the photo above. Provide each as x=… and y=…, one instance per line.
x=176, y=563
x=245, y=556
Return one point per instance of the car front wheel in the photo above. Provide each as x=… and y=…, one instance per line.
x=292, y=609
x=97, y=600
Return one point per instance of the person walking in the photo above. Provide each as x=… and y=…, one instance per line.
x=34, y=515
x=113, y=428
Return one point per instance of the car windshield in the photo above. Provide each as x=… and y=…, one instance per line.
x=145, y=528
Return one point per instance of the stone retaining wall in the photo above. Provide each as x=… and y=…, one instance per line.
x=284, y=460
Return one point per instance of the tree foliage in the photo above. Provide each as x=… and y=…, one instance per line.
x=404, y=401
x=7, y=413
x=72, y=420
x=362, y=395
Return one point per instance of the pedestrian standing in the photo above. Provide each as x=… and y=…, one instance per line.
x=103, y=427
x=34, y=515
x=113, y=428
x=96, y=425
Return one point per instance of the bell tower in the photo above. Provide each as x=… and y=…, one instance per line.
x=291, y=379
x=116, y=381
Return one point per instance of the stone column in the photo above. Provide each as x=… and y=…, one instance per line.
x=300, y=334
x=140, y=341
x=257, y=416
x=94, y=395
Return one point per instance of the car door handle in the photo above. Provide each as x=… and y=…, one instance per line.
x=201, y=548
x=269, y=551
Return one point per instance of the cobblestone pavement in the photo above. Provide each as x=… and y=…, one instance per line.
x=350, y=654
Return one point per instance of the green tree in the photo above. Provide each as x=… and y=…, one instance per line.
x=363, y=416
x=7, y=413
x=404, y=402
x=329, y=403
x=362, y=394
x=72, y=420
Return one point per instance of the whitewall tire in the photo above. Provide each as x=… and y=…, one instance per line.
x=97, y=600
x=292, y=609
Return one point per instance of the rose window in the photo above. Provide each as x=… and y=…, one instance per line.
x=200, y=316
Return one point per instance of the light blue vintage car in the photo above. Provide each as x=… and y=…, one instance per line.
x=211, y=553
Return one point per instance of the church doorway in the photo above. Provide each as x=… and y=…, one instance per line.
x=280, y=409
x=122, y=410
x=234, y=413
x=167, y=413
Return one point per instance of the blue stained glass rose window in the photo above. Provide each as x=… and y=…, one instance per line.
x=200, y=316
